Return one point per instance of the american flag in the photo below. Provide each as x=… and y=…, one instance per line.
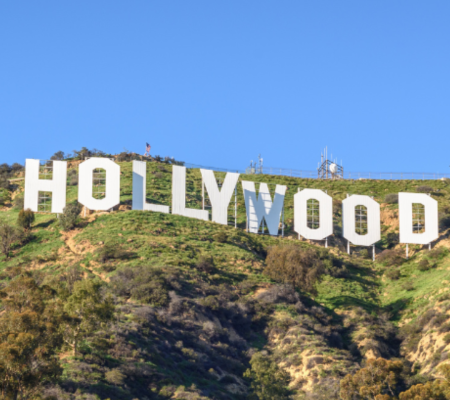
x=147, y=149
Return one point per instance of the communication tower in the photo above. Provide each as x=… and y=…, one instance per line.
x=329, y=169
x=255, y=168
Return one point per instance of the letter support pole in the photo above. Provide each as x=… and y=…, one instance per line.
x=235, y=205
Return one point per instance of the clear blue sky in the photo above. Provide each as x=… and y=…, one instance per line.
x=217, y=82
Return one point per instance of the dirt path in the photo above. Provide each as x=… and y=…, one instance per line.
x=80, y=249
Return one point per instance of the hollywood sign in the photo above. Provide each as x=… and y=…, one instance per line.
x=259, y=206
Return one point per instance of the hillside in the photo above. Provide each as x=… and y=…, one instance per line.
x=193, y=304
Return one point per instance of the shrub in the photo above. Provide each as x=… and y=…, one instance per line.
x=294, y=265
x=153, y=292
x=447, y=338
x=73, y=177
x=145, y=284
x=364, y=253
x=424, y=189
x=205, y=264
x=18, y=203
x=378, y=377
x=437, y=253
x=391, y=198
x=25, y=219
x=8, y=236
x=337, y=206
x=112, y=251
x=4, y=181
x=5, y=197
x=424, y=265
x=393, y=274
x=73, y=181
x=268, y=380
x=390, y=257
x=221, y=237
x=408, y=286
x=159, y=175
x=69, y=217
x=115, y=377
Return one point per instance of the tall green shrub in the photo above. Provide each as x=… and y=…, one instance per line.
x=25, y=219
x=69, y=217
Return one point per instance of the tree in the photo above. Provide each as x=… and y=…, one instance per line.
x=87, y=310
x=29, y=339
x=25, y=219
x=268, y=381
x=8, y=236
x=68, y=218
x=436, y=390
x=294, y=265
x=115, y=377
x=59, y=155
x=376, y=381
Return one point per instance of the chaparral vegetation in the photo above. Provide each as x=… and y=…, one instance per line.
x=143, y=305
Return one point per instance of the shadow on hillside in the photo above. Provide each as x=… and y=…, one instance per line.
x=350, y=301
x=45, y=224
x=396, y=307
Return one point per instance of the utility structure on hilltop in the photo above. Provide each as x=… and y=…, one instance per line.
x=329, y=169
x=255, y=168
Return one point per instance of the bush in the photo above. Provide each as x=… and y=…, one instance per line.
x=205, y=264
x=424, y=265
x=18, y=203
x=4, y=181
x=447, y=338
x=115, y=377
x=159, y=175
x=294, y=265
x=268, y=380
x=393, y=274
x=437, y=253
x=408, y=286
x=337, y=206
x=221, y=237
x=8, y=236
x=444, y=221
x=69, y=217
x=73, y=177
x=424, y=189
x=112, y=251
x=390, y=257
x=153, y=292
x=364, y=253
x=391, y=198
x=25, y=219
x=145, y=284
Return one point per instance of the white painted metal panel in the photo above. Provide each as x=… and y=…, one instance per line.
x=262, y=207
x=373, y=220
x=220, y=199
x=179, y=195
x=34, y=185
x=85, y=182
x=405, y=202
x=139, y=189
x=325, y=228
